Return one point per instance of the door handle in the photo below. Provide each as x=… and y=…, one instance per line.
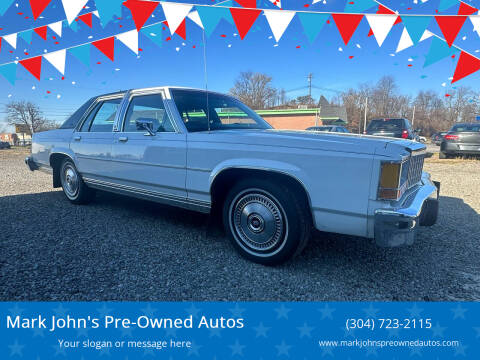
x=77, y=138
x=123, y=139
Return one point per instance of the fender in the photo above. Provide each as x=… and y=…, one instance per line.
x=262, y=164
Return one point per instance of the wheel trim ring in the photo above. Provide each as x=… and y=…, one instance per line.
x=280, y=243
x=70, y=181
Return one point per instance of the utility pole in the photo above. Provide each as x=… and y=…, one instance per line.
x=413, y=116
x=310, y=77
x=365, y=119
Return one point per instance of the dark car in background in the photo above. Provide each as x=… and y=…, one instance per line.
x=438, y=138
x=4, y=145
x=329, y=128
x=398, y=128
x=461, y=140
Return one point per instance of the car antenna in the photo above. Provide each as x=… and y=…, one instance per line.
x=206, y=76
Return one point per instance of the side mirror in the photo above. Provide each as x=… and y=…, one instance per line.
x=145, y=124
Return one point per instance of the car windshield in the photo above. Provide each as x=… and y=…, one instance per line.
x=320, y=128
x=466, y=128
x=386, y=124
x=223, y=112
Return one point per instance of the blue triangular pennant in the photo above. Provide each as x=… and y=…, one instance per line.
x=439, y=50
x=82, y=53
x=74, y=26
x=416, y=26
x=4, y=5
x=107, y=9
x=154, y=33
x=445, y=4
x=312, y=23
x=26, y=35
x=359, y=5
x=9, y=72
x=211, y=16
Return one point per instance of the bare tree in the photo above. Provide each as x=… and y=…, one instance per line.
x=29, y=115
x=255, y=90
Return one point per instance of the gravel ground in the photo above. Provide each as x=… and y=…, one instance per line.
x=123, y=249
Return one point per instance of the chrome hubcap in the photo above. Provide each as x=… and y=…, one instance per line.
x=70, y=181
x=258, y=221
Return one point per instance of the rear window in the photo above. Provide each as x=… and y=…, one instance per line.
x=73, y=120
x=466, y=128
x=386, y=124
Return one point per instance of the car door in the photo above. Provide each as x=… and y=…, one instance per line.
x=146, y=164
x=92, y=140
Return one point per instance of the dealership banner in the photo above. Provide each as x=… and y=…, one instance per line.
x=252, y=330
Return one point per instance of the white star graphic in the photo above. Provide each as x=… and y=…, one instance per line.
x=458, y=312
x=282, y=312
x=261, y=330
x=305, y=330
x=327, y=312
x=283, y=349
x=16, y=349
x=237, y=348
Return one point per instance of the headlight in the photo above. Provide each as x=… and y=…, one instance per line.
x=391, y=184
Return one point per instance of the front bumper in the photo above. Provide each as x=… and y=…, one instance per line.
x=398, y=225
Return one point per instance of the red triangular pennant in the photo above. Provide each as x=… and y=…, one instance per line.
x=33, y=65
x=38, y=6
x=467, y=64
x=244, y=19
x=106, y=46
x=450, y=26
x=42, y=32
x=247, y=3
x=141, y=11
x=87, y=19
x=182, y=30
x=347, y=24
x=466, y=9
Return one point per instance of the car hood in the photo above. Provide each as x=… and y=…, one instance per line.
x=329, y=141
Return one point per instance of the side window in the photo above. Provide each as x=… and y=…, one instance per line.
x=147, y=107
x=88, y=120
x=105, y=116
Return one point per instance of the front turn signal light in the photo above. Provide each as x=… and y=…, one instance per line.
x=389, y=185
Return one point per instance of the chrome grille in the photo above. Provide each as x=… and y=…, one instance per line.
x=415, y=168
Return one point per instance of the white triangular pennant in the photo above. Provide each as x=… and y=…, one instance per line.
x=130, y=39
x=195, y=18
x=175, y=13
x=278, y=3
x=278, y=21
x=475, y=19
x=427, y=34
x=72, y=8
x=11, y=39
x=381, y=25
x=96, y=13
x=405, y=41
x=56, y=27
x=57, y=59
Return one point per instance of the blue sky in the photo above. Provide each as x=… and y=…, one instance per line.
x=179, y=62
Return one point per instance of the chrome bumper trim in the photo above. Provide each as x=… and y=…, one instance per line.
x=397, y=226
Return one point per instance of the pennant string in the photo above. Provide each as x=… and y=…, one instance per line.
x=244, y=8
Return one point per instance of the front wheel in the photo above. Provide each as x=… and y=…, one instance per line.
x=72, y=183
x=267, y=222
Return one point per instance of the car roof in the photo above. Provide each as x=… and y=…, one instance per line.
x=121, y=92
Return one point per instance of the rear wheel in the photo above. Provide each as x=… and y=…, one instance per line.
x=72, y=183
x=267, y=222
